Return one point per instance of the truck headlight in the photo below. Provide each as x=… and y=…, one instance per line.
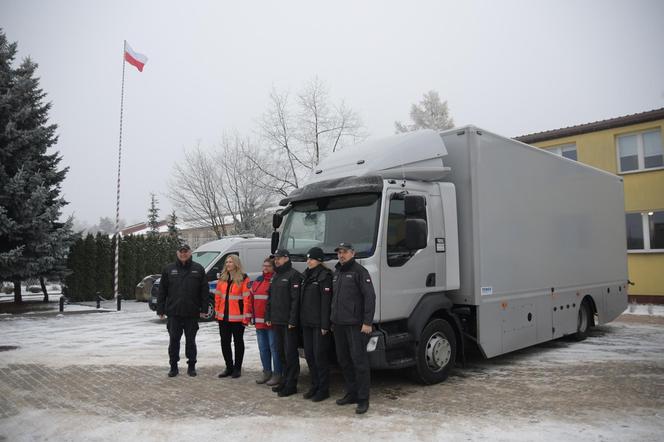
x=371, y=345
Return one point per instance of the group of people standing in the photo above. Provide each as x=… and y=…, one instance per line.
x=283, y=304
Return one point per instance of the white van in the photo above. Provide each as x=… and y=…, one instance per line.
x=212, y=255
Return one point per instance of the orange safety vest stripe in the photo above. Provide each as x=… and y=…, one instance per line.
x=235, y=295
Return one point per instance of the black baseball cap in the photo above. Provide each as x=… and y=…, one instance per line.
x=344, y=245
x=281, y=252
x=316, y=253
x=184, y=246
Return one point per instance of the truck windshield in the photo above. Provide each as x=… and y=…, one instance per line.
x=204, y=258
x=325, y=222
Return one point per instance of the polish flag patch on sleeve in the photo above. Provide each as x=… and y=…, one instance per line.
x=369, y=280
x=327, y=289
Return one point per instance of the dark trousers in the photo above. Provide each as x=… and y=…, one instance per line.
x=235, y=330
x=176, y=325
x=351, y=346
x=316, y=352
x=287, y=340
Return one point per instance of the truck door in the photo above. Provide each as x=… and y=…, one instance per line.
x=405, y=274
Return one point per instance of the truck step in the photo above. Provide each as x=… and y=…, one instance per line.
x=402, y=363
x=396, y=339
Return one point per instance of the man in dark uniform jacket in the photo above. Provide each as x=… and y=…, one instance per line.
x=281, y=312
x=315, y=301
x=353, y=306
x=183, y=297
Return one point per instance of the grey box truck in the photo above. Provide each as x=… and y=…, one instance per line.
x=470, y=237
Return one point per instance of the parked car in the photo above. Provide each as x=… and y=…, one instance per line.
x=212, y=255
x=144, y=288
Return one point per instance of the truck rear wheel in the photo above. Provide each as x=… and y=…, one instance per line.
x=583, y=322
x=436, y=352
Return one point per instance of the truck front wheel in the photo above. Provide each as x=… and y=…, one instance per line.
x=436, y=352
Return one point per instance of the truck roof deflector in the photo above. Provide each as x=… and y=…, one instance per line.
x=414, y=156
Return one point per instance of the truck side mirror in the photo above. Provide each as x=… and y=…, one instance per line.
x=277, y=218
x=274, y=241
x=416, y=234
x=414, y=205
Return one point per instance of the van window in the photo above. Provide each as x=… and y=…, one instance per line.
x=218, y=266
x=204, y=258
x=253, y=260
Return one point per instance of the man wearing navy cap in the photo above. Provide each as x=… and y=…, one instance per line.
x=353, y=307
x=281, y=312
x=183, y=297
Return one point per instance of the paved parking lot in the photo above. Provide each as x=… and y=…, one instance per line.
x=102, y=376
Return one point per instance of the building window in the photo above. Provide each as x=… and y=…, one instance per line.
x=565, y=150
x=645, y=231
x=640, y=151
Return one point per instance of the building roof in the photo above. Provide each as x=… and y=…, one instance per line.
x=627, y=120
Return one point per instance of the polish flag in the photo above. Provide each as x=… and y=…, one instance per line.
x=134, y=58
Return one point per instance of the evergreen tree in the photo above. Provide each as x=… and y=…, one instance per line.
x=153, y=215
x=75, y=263
x=32, y=241
x=104, y=266
x=89, y=269
x=173, y=230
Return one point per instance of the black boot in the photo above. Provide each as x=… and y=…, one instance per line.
x=173, y=372
x=321, y=395
x=309, y=394
x=191, y=371
x=237, y=372
x=348, y=399
x=362, y=407
x=224, y=374
x=287, y=391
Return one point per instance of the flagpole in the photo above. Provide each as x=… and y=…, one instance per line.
x=117, y=205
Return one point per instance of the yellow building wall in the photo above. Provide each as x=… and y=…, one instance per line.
x=644, y=191
x=646, y=271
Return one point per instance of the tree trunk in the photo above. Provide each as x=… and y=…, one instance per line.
x=18, y=299
x=43, y=286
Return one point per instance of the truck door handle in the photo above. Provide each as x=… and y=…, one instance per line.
x=431, y=280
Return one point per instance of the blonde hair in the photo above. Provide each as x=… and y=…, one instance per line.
x=238, y=275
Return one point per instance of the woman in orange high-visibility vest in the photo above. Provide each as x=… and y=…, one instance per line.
x=232, y=307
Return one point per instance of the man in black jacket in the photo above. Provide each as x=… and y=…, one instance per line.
x=281, y=312
x=315, y=299
x=183, y=297
x=353, y=306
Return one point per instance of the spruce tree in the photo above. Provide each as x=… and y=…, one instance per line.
x=104, y=266
x=153, y=216
x=32, y=241
x=173, y=230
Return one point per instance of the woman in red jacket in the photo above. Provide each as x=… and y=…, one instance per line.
x=232, y=306
x=267, y=345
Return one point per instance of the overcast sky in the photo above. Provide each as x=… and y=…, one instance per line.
x=512, y=67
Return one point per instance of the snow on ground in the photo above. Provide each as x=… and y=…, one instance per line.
x=131, y=336
x=645, y=309
x=498, y=399
x=388, y=428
